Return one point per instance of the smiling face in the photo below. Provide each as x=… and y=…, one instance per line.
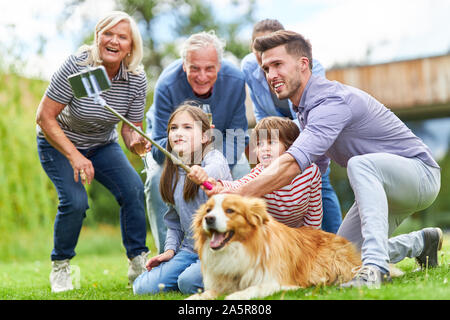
x=114, y=45
x=285, y=73
x=228, y=218
x=201, y=67
x=186, y=136
x=268, y=150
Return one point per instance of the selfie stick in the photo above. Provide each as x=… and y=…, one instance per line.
x=93, y=90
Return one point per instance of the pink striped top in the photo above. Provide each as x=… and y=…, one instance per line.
x=295, y=205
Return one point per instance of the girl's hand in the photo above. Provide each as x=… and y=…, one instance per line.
x=197, y=174
x=157, y=260
x=217, y=187
x=139, y=145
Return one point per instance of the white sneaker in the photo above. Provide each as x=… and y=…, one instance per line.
x=137, y=266
x=60, y=276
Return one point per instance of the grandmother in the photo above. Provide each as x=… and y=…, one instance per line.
x=77, y=142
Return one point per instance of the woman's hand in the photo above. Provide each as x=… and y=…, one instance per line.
x=134, y=141
x=46, y=115
x=157, y=260
x=139, y=145
x=83, y=168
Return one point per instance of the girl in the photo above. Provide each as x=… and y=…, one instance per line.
x=178, y=267
x=297, y=204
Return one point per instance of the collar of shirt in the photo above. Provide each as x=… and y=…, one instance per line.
x=206, y=95
x=304, y=99
x=122, y=74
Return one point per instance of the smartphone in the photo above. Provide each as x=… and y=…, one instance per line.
x=89, y=82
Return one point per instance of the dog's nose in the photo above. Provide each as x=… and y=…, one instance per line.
x=210, y=220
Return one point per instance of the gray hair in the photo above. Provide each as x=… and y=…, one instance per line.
x=202, y=40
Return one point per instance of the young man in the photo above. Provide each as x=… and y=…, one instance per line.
x=391, y=171
x=266, y=104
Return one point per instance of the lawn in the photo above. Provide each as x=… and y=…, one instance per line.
x=100, y=272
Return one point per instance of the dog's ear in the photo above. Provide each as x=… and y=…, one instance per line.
x=198, y=217
x=257, y=211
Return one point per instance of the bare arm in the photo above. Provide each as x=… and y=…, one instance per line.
x=279, y=174
x=46, y=115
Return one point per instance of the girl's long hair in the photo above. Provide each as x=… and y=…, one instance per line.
x=170, y=176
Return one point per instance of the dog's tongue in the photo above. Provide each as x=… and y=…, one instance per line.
x=216, y=240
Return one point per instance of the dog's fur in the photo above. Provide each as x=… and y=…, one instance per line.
x=263, y=256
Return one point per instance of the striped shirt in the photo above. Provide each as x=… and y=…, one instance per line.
x=295, y=205
x=86, y=123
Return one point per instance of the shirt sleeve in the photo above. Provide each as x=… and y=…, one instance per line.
x=137, y=107
x=163, y=109
x=175, y=234
x=248, y=66
x=259, y=111
x=59, y=88
x=324, y=124
x=233, y=185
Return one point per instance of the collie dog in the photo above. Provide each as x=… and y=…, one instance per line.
x=247, y=254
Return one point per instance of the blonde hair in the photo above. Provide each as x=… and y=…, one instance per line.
x=134, y=60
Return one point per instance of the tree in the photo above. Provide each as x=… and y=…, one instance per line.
x=189, y=16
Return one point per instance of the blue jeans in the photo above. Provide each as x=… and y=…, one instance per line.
x=182, y=272
x=156, y=208
x=332, y=216
x=114, y=171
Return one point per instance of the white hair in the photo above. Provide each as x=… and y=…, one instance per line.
x=133, y=62
x=202, y=40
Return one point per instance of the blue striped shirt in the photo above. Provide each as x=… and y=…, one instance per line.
x=87, y=124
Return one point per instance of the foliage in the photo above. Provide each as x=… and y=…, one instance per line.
x=184, y=17
x=26, y=197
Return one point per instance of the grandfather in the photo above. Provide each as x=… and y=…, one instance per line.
x=201, y=75
x=391, y=171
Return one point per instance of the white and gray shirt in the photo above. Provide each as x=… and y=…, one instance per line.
x=87, y=124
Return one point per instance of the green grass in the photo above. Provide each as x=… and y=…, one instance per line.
x=102, y=266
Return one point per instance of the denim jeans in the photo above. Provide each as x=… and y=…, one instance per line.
x=114, y=171
x=388, y=188
x=332, y=215
x=182, y=273
x=156, y=208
